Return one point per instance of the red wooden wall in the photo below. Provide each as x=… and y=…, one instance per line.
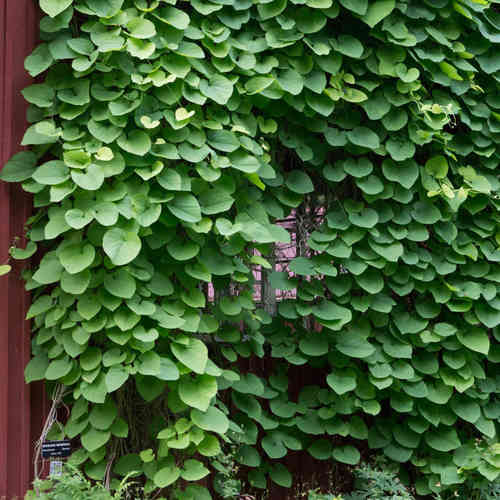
x=21, y=407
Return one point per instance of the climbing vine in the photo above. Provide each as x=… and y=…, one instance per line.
x=228, y=191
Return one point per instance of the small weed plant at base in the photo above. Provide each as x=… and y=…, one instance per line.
x=225, y=482
x=372, y=482
x=316, y=495
x=486, y=491
x=72, y=485
x=378, y=484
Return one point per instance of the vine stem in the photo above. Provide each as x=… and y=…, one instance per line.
x=109, y=465
x=49, y=422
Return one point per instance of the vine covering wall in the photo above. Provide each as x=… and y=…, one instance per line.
x=168, y=139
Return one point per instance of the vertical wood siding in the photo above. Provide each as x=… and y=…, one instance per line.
x=18, y=34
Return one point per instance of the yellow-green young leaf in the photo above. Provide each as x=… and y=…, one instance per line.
x=450, y=70
x=183, y=114
x=5, y=269
x=54, y=7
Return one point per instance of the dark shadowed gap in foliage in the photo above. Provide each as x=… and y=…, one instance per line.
x=308, y=473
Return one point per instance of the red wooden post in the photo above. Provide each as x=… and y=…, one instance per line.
x=18, y=35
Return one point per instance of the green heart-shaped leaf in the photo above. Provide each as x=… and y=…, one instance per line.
x=121, y=246
x=54, y=7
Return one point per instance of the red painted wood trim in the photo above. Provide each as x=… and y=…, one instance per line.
x=18, y=35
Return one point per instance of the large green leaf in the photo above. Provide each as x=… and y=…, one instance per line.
x=102, y=416
x=93, y=439
x=215, y=201
x=487, y=315
x=223, y=140
x=166, y=476
x=426, y=213
x=115, y=378
x=299, y=182
x=377, y=11
x=91, y=179
x=314, y=344
x=281, y=476
x=39, y=60
x=139, y=27
x=358, y=6
x=245, y=162
x=51, y=173
x=175, y=17
x=475, y=339
x=108, y=8
x=467, y=409
x=149, y=387
x=149, y=363
x=371, y=280
x=36, y=368
x=437, y=166
x=346, y=454
x=273, y=445
x=443, y=439
x=183, y=250
x=198, y=391
x=355, y=345
x=365, y=137
x=351, y=47
x=186, y=207
x=218, y=88
x=121, y=246
x=212, y=420
x=342, y=381
x=58, y=369
x=19, y=168
x=54, y=7
x=193, y=470
x=120, y=283
x=310, y=20
x=405, y=173
x=75, y=258
x=136, y=142
x=193, y=354
x=95, y=391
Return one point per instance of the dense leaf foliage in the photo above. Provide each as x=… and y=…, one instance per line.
x=168, y=139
